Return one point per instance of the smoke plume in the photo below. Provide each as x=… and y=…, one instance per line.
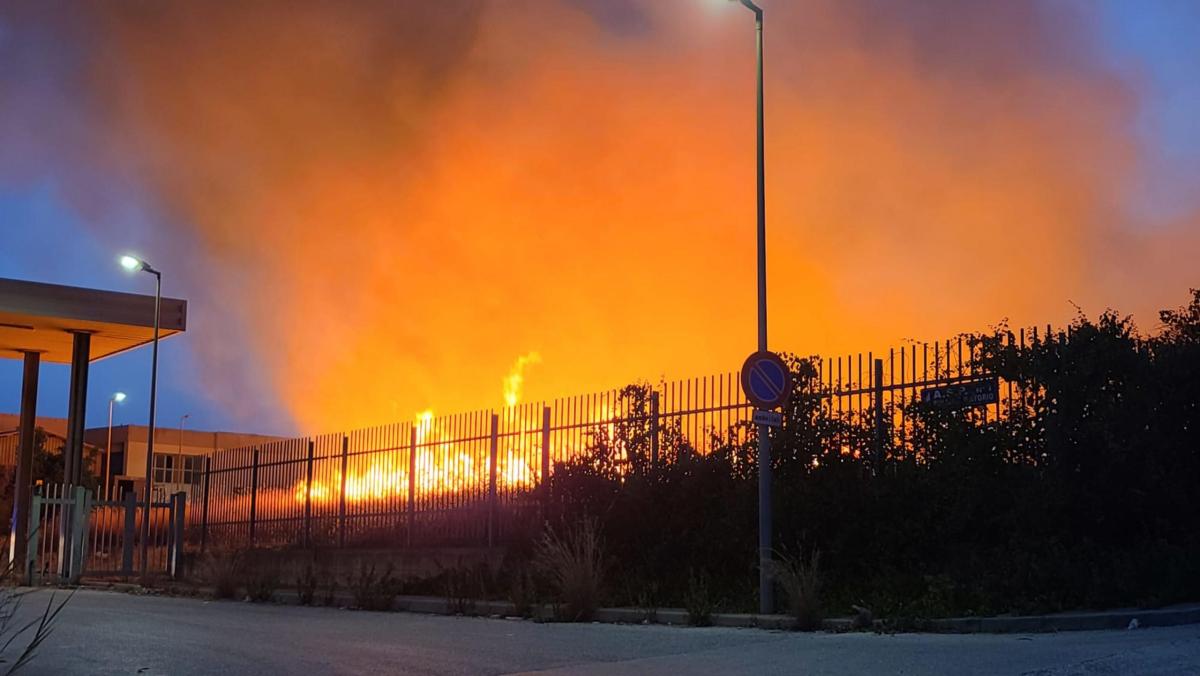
x=387, y=203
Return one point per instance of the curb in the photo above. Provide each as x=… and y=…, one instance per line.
x=1004, y=624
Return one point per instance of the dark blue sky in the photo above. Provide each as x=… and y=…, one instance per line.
x=43, y=239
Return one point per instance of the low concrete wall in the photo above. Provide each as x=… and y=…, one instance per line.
x=339, y=564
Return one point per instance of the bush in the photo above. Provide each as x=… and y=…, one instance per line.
x=261, y=580
x=698, y=601
x=522, y=592
x=373, y=591
x=223, y=570
x=306, y=585
x=800, y=579
x=574, y=565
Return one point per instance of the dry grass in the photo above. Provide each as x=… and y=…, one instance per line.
x=223, y=570
x=37, y=629
x=800, y=578
x=573, y=563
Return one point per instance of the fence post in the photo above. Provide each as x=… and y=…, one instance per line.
x=78, y=536
x=204, y=505
x=342, y=493
x=879, y=417
x=131, y=530
x=412, y=483
x=35, y=527
x=653, y=429
x=308, y=471
x=495, y=441
x=177, y=528
x=253, y=494
x=545, y=462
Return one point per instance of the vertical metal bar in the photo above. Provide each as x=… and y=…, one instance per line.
x=491, y=524
x=308, y=481
x=204, y=508
x=342, y=493
x=546, y=460
x=177, y=532
x=253, y=495
x=131, y=530
x=879, y=443
x=654, y=429
x=412, y=483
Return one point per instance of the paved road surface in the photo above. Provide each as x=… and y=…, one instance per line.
x=112, y=633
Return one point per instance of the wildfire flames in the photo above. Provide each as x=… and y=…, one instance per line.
x=439, y=467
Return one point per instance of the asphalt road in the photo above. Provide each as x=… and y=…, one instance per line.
x=113, y=633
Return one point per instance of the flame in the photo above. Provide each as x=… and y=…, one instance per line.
x=442, y=468
x=516, y=378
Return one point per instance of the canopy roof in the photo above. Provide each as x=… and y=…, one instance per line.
x=37, y=317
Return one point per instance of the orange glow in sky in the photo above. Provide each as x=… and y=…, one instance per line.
x=454, y=205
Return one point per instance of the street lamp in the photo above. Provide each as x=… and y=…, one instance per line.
x=117, y=398
x=137, y=265
x=765, y=585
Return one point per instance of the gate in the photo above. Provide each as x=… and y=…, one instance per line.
x=72, y=535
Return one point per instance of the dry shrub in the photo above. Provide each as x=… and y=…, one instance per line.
x=698, y=601
x=222, y=569
x=373, y=591
x=306, y=585
x=573, y=563
x=522, y=592
x=37, y=629
x=800, y=578
x=261, y=580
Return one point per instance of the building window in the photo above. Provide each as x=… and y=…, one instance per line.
x=164, y=468
x=173, y=469
x=193, y=469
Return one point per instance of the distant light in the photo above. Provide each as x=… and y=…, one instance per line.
x=130, y=263
x=119, y=397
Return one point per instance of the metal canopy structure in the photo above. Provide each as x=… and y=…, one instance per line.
x=44, y=318
x=68, y=324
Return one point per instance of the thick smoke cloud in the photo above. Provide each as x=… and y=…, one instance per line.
x=390, y=202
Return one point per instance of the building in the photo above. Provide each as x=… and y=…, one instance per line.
x=178, y=458
x=55, y=430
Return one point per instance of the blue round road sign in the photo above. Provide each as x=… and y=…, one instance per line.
x=766, y=380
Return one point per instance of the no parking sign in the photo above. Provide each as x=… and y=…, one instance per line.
x=766, y=380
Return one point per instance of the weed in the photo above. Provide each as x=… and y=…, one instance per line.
x=574, y=565
x=371, y=590
x=698, y=601
x=800, y=578
x=223, y=570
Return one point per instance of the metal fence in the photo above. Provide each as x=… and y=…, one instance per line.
x=74, y=535
x=472, y=477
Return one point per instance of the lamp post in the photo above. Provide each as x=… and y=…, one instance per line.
x=765, y=585
x=117, y=398
x=134, y=265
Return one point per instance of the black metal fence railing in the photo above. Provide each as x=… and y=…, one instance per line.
x=472, y=477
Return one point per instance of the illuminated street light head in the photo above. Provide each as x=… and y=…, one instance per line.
x=134, y=264
x=118, y=397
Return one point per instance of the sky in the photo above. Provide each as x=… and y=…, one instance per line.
x=375, y=211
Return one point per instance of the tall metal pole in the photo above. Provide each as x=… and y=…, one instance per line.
x=150, y=431
x=108, y=452
x=179, y=453
x=765, y=584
